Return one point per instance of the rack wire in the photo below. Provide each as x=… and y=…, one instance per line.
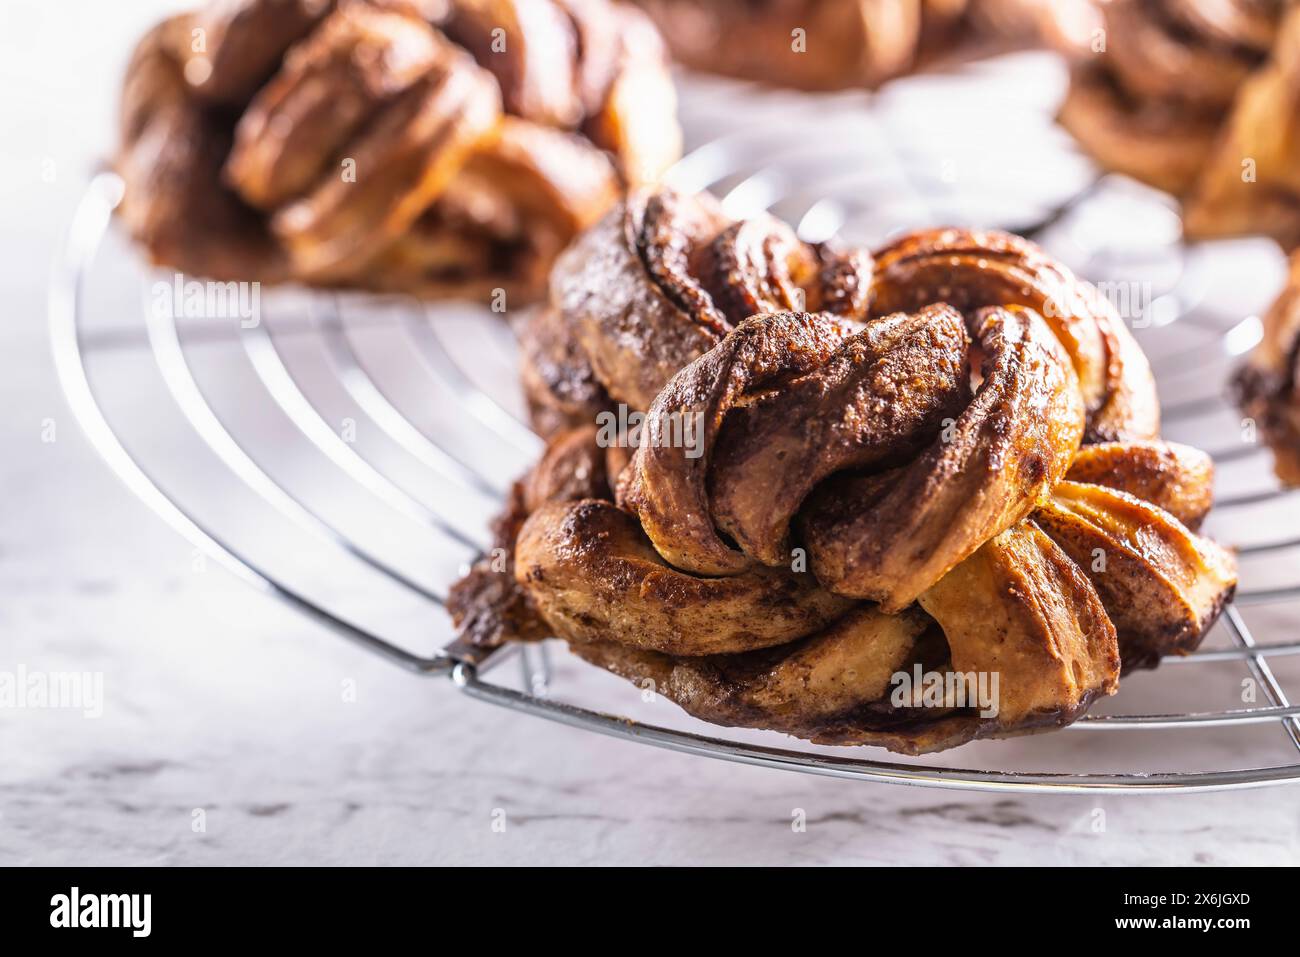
x=342, y=453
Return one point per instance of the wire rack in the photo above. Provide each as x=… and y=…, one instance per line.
x=343, y=453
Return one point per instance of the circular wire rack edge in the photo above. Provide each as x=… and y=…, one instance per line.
x=72, y=343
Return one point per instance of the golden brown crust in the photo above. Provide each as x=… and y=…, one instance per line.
x=592, y=574
x=832, y=687
x=618, y=291
x=660, y=280
x=1174, y=477
x=821, y=503
x=876, y=401
x=619, y=80
x=666, y=484
x=1162, y=585
x=358, y=144
x=1156, y=51
x=1019, y=607
x=664, y=276
x=972, y=269
x=487, y=605
x=326, y=89
x=558, y=382
x=504, y=218
x=421, y=107
x=530, y=48
x=983, y=474
x=1050, y=643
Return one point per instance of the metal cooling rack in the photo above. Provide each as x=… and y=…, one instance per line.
x=344, y=453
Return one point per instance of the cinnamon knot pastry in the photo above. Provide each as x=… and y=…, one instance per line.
x=664, y=277
x=1184, y=95
x=445, y=148
x=950, y=468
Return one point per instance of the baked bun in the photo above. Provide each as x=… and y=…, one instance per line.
x=442, y=149
x=941, y=455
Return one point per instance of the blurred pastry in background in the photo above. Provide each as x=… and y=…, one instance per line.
x=1153, y=80
x=437, y=148
x=1251, y=181
x=829, y=44
x=1266, y=385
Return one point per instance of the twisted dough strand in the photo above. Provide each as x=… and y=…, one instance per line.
x=664, y=276
x=972, y=269
x=402, y=104
x=954, y=472
x=988, y=470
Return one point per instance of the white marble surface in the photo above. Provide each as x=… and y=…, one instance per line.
x=218, y=700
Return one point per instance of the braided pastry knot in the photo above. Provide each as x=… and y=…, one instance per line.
x=441, y=151
x=1154, y=78
x=957, y=474
x=664, y=277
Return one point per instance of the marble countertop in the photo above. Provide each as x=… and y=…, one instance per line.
x=225, y=737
